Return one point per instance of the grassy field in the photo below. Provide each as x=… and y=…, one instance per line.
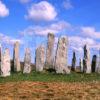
x=50, y=86
x=51, y=77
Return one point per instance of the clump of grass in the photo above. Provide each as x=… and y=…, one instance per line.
x=51, y=77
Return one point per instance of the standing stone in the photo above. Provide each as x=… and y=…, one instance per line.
x=0, y=52
x=98, y=64
x=74, y=62
x=27, y=61
x=16, y=58
x=49, y=51
x=86, y=60
x=0, y=58
x=61, y=56
x=40, y=58
x=5, y=64
x=94, y=63
x=81, y=65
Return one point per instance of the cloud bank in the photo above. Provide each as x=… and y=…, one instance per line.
x=41, y=11
x=4, y=11
x=9, y=40
x=90, y=32
x=44, y=30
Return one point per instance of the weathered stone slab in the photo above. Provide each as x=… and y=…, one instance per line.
x=16, y=57
x=74, y=62
x=5, y=64
x=0, y=58
x=49, y=51
x=0, y=52
x=98, y=64
x=81, y=65
x=27, y=61
x=61, y=56
x=86, y=60
x=40, y=58
x=94, y=63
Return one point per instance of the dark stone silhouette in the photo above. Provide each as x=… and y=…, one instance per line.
x=94, y=63
x=73, y=62
x=0, y=54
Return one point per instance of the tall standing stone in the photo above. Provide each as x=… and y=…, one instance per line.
x=61, y=56
x=94, y=63
x=49, y=51
x=5, y=64
x=16, y=58
x=98, y=64
x=74, y=62
x=40, y=58
x=0, y=52
x=81, y=65
x=0, y=58
x=27, y=61
x=86, y=60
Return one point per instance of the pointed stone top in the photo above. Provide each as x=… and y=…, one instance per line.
x=27, y=50
x=17, y=42
x=86, y=47
x=64, y=36
x=80, y=59
x=51, y=34
x=40, y=46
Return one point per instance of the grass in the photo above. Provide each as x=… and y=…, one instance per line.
x=51, y=77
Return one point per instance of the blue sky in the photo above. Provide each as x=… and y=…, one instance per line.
x=29, y=21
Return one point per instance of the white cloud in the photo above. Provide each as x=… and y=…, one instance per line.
x=4, y=11
x=77, y=43
x=42, y=11
x=24, y=1
x=43, y=31
x=8, y=39
x=67, y=4
x=90, y=32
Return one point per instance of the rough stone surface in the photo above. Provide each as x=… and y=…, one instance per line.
x=74, y=62
x=81, y=65
x=0, y=52
x=40, y=58
x=49, y=51
x=86, y=60
x=94, y=63
x=27, y=61
x=61, y=56
x=0, y=58
x=98, y=64
x=5, y=64
x=16, y=57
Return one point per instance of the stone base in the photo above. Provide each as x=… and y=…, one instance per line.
x=5, y=75
x=63, y=70
x=98, y=70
